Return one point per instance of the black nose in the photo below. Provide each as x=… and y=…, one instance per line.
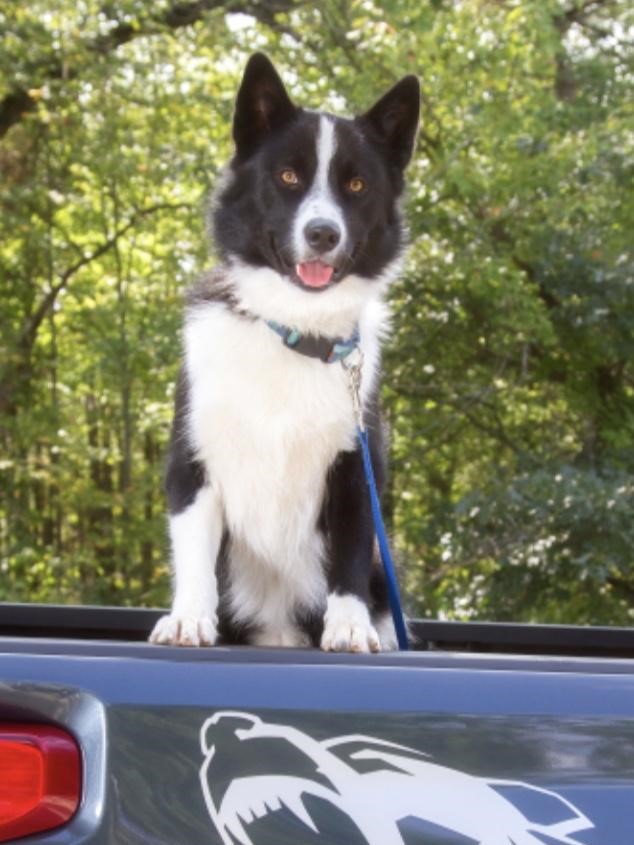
x=321, y=234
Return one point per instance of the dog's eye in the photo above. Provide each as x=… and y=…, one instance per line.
x=289, y=178
x=356, y=185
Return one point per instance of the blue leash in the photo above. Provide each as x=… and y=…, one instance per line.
x=341, y=349
x=354, y=374
x=381, y=536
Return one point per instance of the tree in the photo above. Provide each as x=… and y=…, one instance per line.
x=510, y=389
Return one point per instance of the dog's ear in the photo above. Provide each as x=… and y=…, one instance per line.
x=262, y=105
x=393, y=119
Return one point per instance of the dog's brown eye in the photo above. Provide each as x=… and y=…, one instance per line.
x=355, y=185
x=289, y=178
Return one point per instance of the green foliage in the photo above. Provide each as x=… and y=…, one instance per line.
x=558, y=521
x=510, y=385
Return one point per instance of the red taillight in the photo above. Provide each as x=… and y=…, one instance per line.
x=40, y=779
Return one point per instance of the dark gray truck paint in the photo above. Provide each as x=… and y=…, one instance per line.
x=524, y=727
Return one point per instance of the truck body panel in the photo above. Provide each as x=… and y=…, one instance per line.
x=246, y=746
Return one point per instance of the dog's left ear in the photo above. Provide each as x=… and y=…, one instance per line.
x=262, y=105
x=394, y=119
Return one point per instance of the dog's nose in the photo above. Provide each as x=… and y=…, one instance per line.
x=321, y=234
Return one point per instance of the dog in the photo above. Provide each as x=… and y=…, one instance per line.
x=269, y=517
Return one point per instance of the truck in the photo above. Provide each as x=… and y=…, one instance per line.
x=480, y=734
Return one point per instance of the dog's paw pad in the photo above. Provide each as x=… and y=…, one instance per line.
x=347, y=626
x=184, y=630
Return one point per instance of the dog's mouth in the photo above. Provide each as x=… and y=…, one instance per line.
x=313, y=274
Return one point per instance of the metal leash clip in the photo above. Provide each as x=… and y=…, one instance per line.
x=353, y=364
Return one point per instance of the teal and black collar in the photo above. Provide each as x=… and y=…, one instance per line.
x=326, y=349
x=216, y=287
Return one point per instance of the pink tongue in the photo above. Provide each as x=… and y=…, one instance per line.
x=315, y=274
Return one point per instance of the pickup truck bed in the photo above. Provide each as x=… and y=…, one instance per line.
x=478, y=738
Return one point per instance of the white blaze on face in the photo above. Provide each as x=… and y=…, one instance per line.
x=319, y=201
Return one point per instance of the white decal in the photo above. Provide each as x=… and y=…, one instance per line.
x=253, y=768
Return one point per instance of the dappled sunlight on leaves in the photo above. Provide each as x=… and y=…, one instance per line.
x=510, y=384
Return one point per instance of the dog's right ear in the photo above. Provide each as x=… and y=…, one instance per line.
x=262, y=106
x=393, y=120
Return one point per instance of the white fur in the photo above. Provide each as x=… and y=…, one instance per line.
x=333, y=312
x=195, y=536
x=267, y=423
x=347, y=625
x=386, y=631
x=319, y=201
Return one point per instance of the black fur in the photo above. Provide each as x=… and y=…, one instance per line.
x=184, y=475
x=250, y=221
x=272, y=134
x=347, y=516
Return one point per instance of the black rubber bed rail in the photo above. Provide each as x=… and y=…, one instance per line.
x=84, y=622
x=134, y=624
x=515, y=638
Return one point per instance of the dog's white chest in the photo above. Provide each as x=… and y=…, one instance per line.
x=267, y=423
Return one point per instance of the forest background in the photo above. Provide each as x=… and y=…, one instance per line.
x=509, y=382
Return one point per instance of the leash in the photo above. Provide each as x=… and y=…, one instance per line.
x=347, y=350
x=353, y=371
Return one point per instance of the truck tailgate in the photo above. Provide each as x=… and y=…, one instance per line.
x=240, y=746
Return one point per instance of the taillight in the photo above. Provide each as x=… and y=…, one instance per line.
x=40, y=779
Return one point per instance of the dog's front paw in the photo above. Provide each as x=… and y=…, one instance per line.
x=347, y=626
x=176, y=629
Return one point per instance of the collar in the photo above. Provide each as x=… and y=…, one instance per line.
x=326, y=349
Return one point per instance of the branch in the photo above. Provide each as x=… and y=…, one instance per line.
x=28, y=332
x=19, y=101
x=499, y=234
x=577, y=14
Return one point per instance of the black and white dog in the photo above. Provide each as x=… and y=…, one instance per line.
x=270, y=523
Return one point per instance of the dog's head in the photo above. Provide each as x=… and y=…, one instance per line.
x=313, y=197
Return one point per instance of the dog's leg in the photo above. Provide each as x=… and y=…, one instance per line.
x=195, y=535
x=196, y=528
x=347, y=622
